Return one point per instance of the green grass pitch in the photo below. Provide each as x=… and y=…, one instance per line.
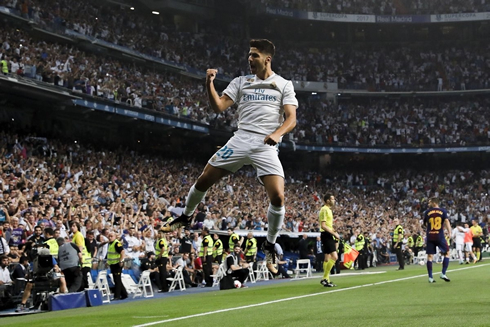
x=391, y=298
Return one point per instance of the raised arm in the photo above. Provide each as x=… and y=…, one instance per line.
x=218, y=103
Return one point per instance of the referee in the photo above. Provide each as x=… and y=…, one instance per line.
x=477, y=232
x=329, y=238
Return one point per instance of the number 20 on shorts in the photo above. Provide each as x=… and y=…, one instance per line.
x=225, y=152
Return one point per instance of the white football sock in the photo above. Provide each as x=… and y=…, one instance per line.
x=193, y=199
x=275, y=218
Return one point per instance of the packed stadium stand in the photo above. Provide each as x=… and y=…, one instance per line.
x=105, y=120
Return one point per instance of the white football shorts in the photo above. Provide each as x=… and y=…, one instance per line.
x=459, y=247
x=468, y=247
x=246, y=148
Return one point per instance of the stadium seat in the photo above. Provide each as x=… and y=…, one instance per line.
x=219, y=275
x=251, y=274
x=130, y=286
x=302, y=265
x=262, y=273
x=144, y=284
x=91, y=284
x=102, y=285
x=178, y=279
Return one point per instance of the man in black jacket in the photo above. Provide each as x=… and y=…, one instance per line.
x=150, y=264
x=303, y=247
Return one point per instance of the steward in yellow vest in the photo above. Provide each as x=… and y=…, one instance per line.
x=234, y=239
x=206, y=254
x=115, y=260
x=397, y=244
x=250, y=248
x=51, y=241
x=5, y=65
x=217, y=249
x=161, y=253
x=419, y=245
x=359, y=245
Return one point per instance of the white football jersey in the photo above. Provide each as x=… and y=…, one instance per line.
x=459, y=235
x=260, y=102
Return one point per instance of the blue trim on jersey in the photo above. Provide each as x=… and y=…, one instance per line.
x=435, y=230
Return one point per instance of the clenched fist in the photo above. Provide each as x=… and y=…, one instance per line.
x=211, y=74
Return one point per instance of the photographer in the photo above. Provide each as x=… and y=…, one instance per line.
x=70, y=259
x=20, y=275
x=41, y=277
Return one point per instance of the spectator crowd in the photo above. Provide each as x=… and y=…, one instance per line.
x=397, y=123
x=382, y=7
x=379, y=67
x=384, y=122
x=48, y=183
x=49, y=187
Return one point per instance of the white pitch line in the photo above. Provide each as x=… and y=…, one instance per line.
x=339, y=275
x=296, y=298
x=148, y=317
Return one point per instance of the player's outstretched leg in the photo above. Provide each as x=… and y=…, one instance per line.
x=275, y=218
x=193, y=199
x=270, y=256
x=182, y=221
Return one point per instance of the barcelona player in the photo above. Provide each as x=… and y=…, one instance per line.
x=435, y=220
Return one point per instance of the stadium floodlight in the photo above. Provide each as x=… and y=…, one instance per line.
x=155, y=12
x=132, y=8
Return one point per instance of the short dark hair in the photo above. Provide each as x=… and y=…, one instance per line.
x=264, y=46
x=327, y=196
x=49, y=231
